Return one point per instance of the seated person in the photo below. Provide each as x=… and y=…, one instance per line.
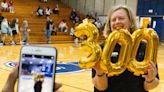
x=98, y=24
x=40, y=11
x=5, y=30
x=56, y=9
x=48, y=11
x=4, y=6
x=77, y=20
x=11, y=7
x=73, y=15
x=63, y=26
x=45, y=1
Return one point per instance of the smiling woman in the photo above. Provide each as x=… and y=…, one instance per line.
x=121, y=17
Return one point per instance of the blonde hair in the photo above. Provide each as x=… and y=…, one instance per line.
x=25, y=23
x=133, y=27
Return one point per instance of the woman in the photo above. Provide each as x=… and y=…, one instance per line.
x=4, y=6
x=26, y=30
x=5, y=30
x=15, y=29
x=122, y=17
x=39, y=79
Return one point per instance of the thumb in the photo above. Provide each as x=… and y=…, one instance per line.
x=10, y=83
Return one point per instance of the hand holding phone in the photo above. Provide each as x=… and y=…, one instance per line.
x=37, y=69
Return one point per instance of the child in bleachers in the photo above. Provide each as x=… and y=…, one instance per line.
x=11, y=7
x=56, y=9
x=26, y=30
x=48, y=11
x=40, y=11
x=63, y=26
x=4, y=6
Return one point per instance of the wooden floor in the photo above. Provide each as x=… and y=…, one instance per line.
x=73, y=81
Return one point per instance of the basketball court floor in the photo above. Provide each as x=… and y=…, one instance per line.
x=73, y=78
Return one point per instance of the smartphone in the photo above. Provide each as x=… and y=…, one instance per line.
x=37, y=69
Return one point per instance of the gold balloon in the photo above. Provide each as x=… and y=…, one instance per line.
x=151, y=38
x=129, y=47
x=145, y=22
x=88, y=29
x=136, y=66
x=123, y=38
x=155, y=38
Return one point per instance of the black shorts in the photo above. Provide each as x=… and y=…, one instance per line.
x=14, y=32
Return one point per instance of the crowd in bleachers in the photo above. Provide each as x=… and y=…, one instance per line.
x=11, y=29
x=7, y=6
x=46, y=11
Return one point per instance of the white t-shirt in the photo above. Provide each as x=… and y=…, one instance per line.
x=4, y=5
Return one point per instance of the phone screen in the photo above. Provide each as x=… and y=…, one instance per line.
x=36, y=73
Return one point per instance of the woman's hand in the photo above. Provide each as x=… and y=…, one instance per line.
x=98, y=69
x=11, y=81
x=57, y=87
x=100, y=79
x=151, y=72
x=150, y=79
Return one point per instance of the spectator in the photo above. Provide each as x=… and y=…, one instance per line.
x=54, y=29
x=4, y=6
x=63, y=26
x=48, y=29
x=45, y=1
x=98, y=24
x=40, y=11
x=56, y=9
x=5, y=30
x=48, y=11
x=1, y=19
x=26, y=30
x=89, y=15
x=73, y=15
x=11, y=7
x=77, y=19
x=15, y=30
x=72, y=30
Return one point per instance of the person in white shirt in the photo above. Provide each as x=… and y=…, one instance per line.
x=98, y=24
x=5, y=30
x=72, y=31
x=63, y=26
x=4, y=6
x=40, y=11
x=48, y=11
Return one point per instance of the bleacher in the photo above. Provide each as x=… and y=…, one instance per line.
x=24, y=10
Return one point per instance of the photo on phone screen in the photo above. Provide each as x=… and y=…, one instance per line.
x=36, y=72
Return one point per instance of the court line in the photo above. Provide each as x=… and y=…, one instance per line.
x=77, y=87
x=5, y=69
